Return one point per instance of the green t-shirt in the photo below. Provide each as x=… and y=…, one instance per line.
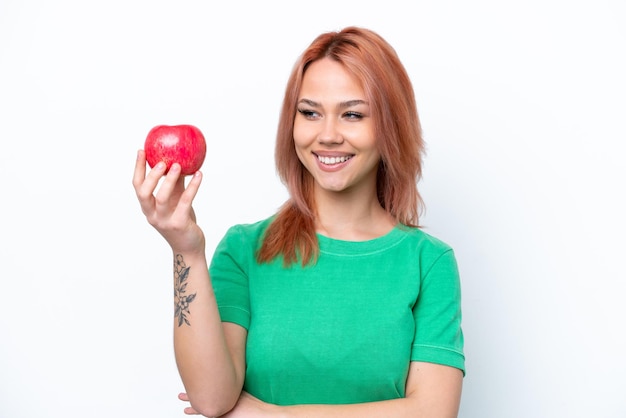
x=344, y=329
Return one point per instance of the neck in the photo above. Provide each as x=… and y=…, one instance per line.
x=351, y=216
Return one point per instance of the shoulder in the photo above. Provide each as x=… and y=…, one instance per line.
x=424, y=241
x=249, y=231
x=430, y=250
x=240, y=242
x=244, y=237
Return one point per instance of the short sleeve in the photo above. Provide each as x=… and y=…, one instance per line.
x=229, y=276
x=437, y=313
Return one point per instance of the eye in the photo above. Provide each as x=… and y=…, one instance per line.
x=308, y=114
x=353, y=115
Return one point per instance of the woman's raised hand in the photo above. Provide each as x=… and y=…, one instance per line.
x=169, y=209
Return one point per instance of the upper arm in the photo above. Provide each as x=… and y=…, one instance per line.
x=437, y=314
x=435, y=388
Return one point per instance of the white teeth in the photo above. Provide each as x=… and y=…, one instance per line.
x=333, y=160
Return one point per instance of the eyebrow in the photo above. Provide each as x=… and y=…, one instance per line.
x=343, y=105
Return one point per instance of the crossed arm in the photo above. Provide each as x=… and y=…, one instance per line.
x=210, y=355
x=433, y=391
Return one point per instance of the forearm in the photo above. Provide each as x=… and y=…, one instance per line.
x=395, y=408
x=433, y=391
x=204, y=360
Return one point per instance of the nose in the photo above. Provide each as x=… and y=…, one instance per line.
x=330, y=133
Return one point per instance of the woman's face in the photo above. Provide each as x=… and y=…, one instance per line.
x=333, y=130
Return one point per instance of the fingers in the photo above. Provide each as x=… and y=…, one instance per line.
x=140, y=169
x=188, y=410
x=143, y=183
x=146, y=185
x=143, y=191
x=189, y=194
x=169, y=207
x=172, y=184
x=185, y=197
x=173, y=198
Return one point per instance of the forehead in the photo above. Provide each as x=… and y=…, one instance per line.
x=330, y=79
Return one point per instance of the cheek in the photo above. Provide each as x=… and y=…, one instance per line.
x=304, y=134
x=299, y=153
x=298, y=135
x=299, y=144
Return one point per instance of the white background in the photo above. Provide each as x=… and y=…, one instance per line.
x=524, y=112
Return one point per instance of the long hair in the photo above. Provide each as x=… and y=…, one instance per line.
x=388, y=89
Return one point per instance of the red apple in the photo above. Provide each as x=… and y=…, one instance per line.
x=182, y=144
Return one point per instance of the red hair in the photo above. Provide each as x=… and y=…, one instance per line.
x=372, y=61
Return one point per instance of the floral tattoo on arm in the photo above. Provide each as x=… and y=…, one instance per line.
x=181, y=299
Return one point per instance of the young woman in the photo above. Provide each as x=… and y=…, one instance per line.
x=339, y=305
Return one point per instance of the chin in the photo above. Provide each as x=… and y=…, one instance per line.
x=334, y=188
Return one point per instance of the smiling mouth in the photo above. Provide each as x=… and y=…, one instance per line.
x=333, y=160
